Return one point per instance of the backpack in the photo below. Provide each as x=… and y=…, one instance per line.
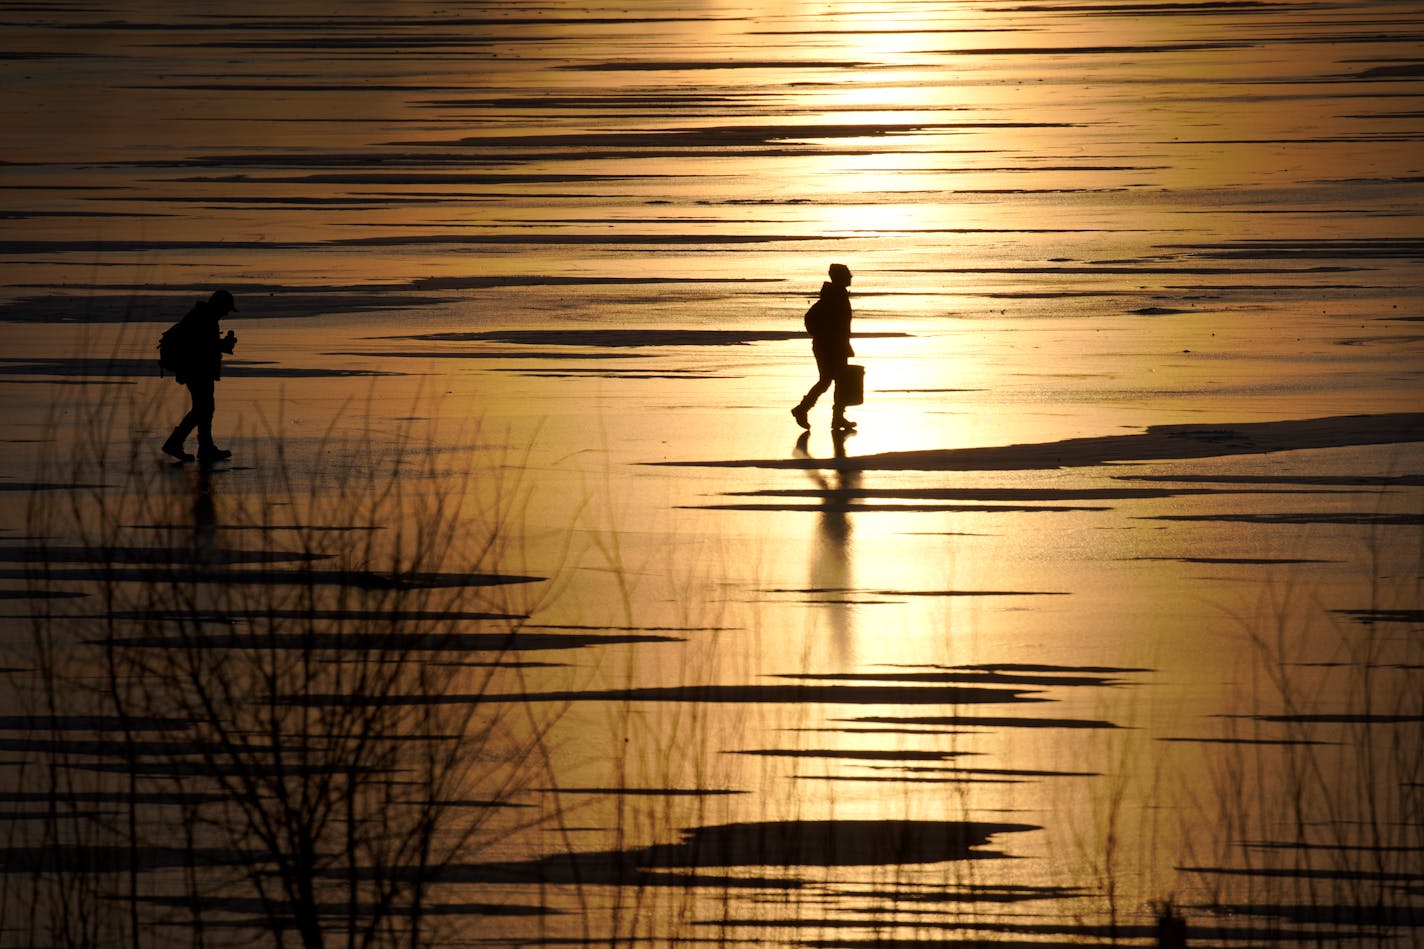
x=176, y=351
x=817, y=318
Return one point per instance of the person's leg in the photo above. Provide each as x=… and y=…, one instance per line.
x=825, y=377
x=203, y=406
x=838, y=420
x=174, y=445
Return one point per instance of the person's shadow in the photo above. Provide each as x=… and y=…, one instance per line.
x=205, y=520
x=831, y=572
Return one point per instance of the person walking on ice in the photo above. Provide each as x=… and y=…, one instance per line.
x=192, y=349
x=828, y=322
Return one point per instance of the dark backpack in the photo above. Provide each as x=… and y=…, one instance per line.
x=177, y=350
x=818, y=317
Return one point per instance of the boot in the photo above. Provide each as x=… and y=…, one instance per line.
x=799, y=414
x=213, y=453
x=174, y=448
x=839, y=423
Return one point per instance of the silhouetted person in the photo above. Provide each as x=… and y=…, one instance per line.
x=828, y=322
x=199, y=366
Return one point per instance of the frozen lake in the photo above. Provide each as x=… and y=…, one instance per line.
x=524, y=613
